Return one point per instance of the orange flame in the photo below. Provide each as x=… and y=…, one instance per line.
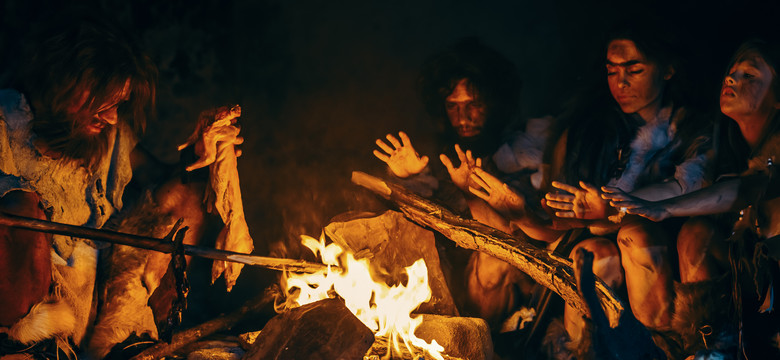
x=384, y=309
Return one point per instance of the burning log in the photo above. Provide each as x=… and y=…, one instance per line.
x=325, y=329
x=544, y=267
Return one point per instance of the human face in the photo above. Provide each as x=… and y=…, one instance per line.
x=465, y=110
x=635, y=83
x=105, y=115
x=746, y=92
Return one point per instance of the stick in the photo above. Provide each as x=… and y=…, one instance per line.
x=548, y=269
x=159, y=245
x=191, y=335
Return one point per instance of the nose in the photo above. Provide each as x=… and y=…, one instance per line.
x=623, y=80
x=109, y=116
x=729, y=80
x=463, y=114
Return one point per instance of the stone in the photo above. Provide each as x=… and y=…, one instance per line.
x=321, y=330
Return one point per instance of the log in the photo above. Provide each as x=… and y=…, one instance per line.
x=191, y=335
x=546, y=268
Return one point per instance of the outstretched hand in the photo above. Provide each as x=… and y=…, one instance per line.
x=619, y=199
x=400, y=156
x=584, y=202
x=215, y=132
x=461, y=175
x=497, y=194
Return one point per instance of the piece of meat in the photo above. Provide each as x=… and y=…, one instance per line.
x=223, y=194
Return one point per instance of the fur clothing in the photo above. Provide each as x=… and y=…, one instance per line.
x=70, y=194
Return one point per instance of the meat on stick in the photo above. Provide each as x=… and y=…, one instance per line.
x=223, y=194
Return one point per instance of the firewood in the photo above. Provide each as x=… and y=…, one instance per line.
x=546, y=268
x=191, y=335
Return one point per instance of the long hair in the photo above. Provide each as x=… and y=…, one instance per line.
x=78, y=67
x=491, y=76
x=732, y=158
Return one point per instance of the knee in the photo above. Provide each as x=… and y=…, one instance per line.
x=641, y=234
x=697, y=235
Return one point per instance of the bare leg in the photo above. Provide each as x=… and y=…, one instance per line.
x=645, y=254
x=701, y=249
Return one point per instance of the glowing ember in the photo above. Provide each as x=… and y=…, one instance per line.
x=384, y=309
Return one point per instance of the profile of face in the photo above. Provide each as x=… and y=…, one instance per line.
x=92, y=123
x=746, y=92
x=465, y=110
x=635, y=82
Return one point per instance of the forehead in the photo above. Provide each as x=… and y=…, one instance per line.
x=622, y=51
x=462, y=92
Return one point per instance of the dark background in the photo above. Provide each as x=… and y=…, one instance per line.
x=319, y=81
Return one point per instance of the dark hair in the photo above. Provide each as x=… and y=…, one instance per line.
x=656, y=42
x=491, y=75
x=86, y=55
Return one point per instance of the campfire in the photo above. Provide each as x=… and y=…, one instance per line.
x=385, y=309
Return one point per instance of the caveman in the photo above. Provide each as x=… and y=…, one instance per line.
x=69, y=153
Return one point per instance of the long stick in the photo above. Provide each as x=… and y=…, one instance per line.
x=546, y=268
x=159, y=245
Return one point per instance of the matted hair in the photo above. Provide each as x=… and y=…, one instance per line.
x=85, y=56
x=490, y=75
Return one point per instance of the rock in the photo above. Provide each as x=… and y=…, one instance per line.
x=394, y=243
x=461, y=337
x=321, y=330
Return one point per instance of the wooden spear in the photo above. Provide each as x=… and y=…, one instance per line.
x=548, y=269
x=160, y=245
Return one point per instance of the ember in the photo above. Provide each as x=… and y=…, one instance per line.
x=383, y=308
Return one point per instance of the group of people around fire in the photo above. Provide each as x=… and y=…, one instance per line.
x=677, y=206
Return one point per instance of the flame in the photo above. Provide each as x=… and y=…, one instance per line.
x=384, y=309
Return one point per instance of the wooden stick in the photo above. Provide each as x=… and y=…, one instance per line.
x=186, y=337
x=160, y=245
x=548, y=269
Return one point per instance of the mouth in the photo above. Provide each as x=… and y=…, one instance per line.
x=728, y=91
x=95, y=128
x=467, y=132
x=623, y=98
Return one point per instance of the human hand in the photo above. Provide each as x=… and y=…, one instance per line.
x=497, y=194
x=584, y=203
x=216, y=131
x=461, y=175
x=402, y=159
x=626, y=203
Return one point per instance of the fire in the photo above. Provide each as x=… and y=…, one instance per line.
x=384, y=309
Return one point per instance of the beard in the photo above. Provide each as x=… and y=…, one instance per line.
x=72, y=142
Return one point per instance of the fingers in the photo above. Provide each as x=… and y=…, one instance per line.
x=480, y=193
x=447, y=162
x=382, y=145
x=560, y=205
x=588, y=187
x=559, y=197
x=381, y=156
x=461, y=154
x=424, y=160
x=393, y=140
x=564, y=187
x=479, y=181
x=405, y=141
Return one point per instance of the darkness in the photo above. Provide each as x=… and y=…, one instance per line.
x=319, y=81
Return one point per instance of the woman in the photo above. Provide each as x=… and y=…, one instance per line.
x=649, y=144
x=749, y=97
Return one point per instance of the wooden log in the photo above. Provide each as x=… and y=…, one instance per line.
x=191, y=335
x=546, y=268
